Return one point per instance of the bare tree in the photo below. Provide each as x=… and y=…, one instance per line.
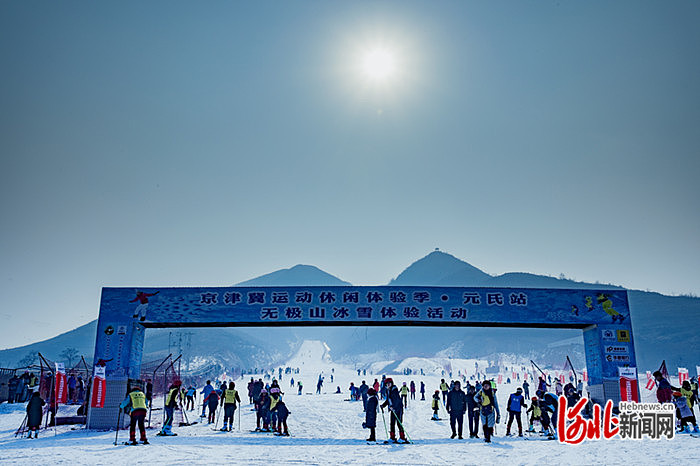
x=69, y=354
x=29, y=359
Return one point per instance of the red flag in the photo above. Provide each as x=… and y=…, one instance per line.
x=628, y=384
x=682, y=374
x=500, y=379
x=562, y=379
x=99, y=387
x=585, y=375
x=61, y=394
x=650, y=381
x=663, y=370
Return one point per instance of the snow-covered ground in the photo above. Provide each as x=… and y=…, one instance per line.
x=326, y=429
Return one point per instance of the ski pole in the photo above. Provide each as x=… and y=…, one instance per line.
x=402, y=427
x=385, y=429
x=216, y=417
x=239, y=418
x=119, y=418
x=21, y=428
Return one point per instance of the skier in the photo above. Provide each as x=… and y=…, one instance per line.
x=212, y=402
x=558, y=388
x=687, y=391
x=275, y=395
x=404, y=395
x=190, y=395
x=257, y=388
x=456, y=405
x=375, y=385
x=516, y=402
x=135, y=406
x=548, y=404
x=422, y=391
x=393, y=402
x=542, y=384
x=371, y=414
x=300, y=385
x=205, y=394
x=171, y=402
x=228, y=401
x=413, y=390
x=684, y=413
x=260, y=413
x=34, y=414
x=536, y=414
x=472, y=412
x=444, y=388
x=364, y=393
x=435, y=405
x=490, y=415
x=526, y=389
x=250, y=390
x=319, y=384
x=281, y=411
x=149, y=393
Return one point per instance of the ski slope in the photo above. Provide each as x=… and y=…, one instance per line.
x=326, y=429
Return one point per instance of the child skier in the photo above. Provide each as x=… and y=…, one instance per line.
x=281, y=411
x=275, y=397
x=536, y=413
x=436, y=405
x=684, y=413
x=260, y=411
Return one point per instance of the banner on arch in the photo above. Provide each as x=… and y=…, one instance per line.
x=61, y=392
x=99, y=386
x=628, y=384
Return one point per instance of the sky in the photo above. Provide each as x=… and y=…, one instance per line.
x=188, y=143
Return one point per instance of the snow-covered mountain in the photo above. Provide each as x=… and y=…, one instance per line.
x=665, y=327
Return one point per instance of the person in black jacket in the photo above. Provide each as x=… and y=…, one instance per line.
x=472, y=412
x=456, y=406
x=35, y=409
x=393, y=401
x=371, y=414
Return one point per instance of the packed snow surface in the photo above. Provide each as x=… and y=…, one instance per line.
x=326, y=429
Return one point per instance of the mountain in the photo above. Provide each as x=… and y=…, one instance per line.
x=665, y=327
x=299, y=275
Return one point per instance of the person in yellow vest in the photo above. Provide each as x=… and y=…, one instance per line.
x=228, y=401
x=445, y=389
x=135, y=406
x=404, y=395
x=172, y=401
x=275, y=397
x=436, y=405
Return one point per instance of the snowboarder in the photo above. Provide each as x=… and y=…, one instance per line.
x=371, y=414
x=516, y=402
x=228, y=401
x=393, y=402
x=456, y=405
x=488, y=404
x=34, y=413
x=142, y=308
x=135, y=406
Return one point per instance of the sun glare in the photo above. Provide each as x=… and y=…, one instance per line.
x=379, y=64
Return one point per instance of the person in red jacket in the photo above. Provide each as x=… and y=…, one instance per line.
x=142, y=298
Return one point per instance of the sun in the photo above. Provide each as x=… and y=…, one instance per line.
x=379, y=64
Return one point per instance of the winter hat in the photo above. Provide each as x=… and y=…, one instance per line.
x=677, y=394
x=274, y=390
x=371, y=392
x=404, y=383
x=389, y=380
x=437, y=392
x=534, y=398
x=519, y=389
x=263, y=391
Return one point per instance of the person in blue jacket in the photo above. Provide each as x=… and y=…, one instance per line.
x=516, y=402
x=205, y=393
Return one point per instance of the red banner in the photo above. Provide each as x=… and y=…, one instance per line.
x=682, y=375
x=628, y=384
x=562, y=379
x=585, y=375
x=500, y=379
x=650, y=381
x=99, y=387
x=61, y=391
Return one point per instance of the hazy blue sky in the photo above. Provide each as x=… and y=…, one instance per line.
x=205, y=143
